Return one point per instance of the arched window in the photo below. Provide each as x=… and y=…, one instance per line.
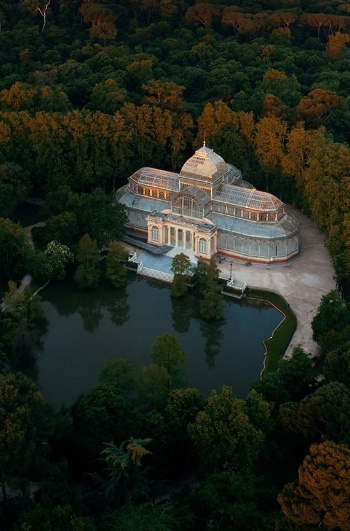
x=187, y=206
x=155, y=233
x=202, y=245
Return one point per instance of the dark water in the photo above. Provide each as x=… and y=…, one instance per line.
x=87, y=329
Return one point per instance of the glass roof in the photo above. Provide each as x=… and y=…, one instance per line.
x=196, y=192
x=285, y=227
x=157, y=178
x=247, y=198
x=204, y=164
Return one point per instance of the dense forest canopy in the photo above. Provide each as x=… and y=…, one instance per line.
x=89, y=92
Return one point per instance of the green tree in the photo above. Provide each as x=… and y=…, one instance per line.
x=183, y=405
x=225, y=435
x=118, y=373
x=88, y=273
x=100, y=216
x=181, y=267
x=331, y=319
x=167, y=353
x=116, y=272
x=54, y=260
x=152, y=382
x=207, y=275
x=15, y=253
x=294, y=378
x=337, y=365
x=103, y=414
x=19, y=402
x=322, y=413
x=321, y=495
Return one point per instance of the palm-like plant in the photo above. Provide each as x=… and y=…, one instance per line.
x=124, y=478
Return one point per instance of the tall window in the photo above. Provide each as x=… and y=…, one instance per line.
x=202, y=245
x=155, y=233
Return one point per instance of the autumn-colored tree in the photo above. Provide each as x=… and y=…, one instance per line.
x=320, y=106
x=165, y=94
x=101, y=18
x=321, y=495
x=202, y=14
x=271, y=134
x=336, y=44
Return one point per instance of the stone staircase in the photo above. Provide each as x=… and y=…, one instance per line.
x=153, y=273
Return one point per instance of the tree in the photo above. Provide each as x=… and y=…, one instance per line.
x=16, y=252
x=320, y=414
x=337, y=365
x=202, y=14
x=332, y=318
x=118, y=373
x=321, y=495
x=225, y=435
x=101, y=18
x=207, y=275
x=294, y=378
x=165, y=94
x=116, y=272
x=124, y=478
x=152, y=382
x=88, y=274
x=319, y=107
x=54, y=260
x=99, y=216
x=103, y=414
x=19, y=402
x=167, y=353
x=336, y=44
x=183, y=405
x=181, y=267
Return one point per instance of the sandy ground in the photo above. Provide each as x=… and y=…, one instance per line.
x=302, y=282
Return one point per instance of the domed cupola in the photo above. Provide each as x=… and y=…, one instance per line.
x=206, y=167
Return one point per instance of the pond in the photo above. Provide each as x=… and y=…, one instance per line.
x=87, y=329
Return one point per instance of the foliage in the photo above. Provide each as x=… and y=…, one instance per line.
x=226, y=434
x=15, y=251
x=118, y=373
x=321, y=495
x=87, y=275
x=19, y=400
x=54, y=260
x=124, y=480
x=181, y=267
x=167, y=353
x=116, y=271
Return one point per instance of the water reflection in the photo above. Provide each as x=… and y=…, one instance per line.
x=88, y=329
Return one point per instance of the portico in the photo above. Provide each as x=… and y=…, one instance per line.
x=177, y=231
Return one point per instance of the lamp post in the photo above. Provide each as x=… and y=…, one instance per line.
x=230, y=270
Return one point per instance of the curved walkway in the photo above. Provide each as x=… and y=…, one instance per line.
x=302, y=283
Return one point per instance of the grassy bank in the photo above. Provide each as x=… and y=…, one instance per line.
x=277, y=345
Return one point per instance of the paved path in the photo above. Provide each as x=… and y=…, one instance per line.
x=302, y=283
